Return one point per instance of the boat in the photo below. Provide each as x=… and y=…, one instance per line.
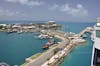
x=49, y=43
x=11, y=32
x=3, y=64
x=43, y=36
x=19, y=32
x=96, y=46
x=45, y=47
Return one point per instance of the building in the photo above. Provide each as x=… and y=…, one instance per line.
x=51, y=22
x=3, y=25
x=96, y=46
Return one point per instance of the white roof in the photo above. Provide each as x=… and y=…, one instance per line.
x=29, y=27
x=54, y=24
x=3, y=24
x=16, y=26
x=51, y=21
x=97, y=43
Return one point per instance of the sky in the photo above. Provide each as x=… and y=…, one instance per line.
x=59, y=10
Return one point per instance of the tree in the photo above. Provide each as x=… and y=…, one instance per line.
x=1, y=27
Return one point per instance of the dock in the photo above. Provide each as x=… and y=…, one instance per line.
x=49, y=53
x=50, y=58
x=87, y=29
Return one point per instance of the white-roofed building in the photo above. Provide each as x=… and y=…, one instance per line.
x=3, y=25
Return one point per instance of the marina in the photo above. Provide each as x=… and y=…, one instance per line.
x=65, y=41
x=59, y=33
x=49, y=33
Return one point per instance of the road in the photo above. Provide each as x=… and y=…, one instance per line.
x=49, y=53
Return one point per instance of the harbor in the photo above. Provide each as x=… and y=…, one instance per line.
x=50, y=58
x=66, y=38
x=49, y=33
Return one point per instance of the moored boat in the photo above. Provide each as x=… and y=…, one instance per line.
x=45, y=47
x=3, y=64
x=49, y=43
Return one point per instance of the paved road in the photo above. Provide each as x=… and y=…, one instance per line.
x=43, y=58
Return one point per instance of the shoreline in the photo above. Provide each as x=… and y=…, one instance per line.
x=70, y=45
x=62, y=59
x=67, y=42
x=31, y=27
x=51, y=50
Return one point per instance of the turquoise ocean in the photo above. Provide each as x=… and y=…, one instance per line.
x=15, y=48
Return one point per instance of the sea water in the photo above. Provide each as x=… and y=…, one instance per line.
x=15, y=48
x=80, y=55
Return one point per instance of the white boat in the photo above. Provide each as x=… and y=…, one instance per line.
x=19, y=31
x=43, y=36
x=96, y=47
x=3, y=64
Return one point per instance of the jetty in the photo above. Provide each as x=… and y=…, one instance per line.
x=49, y=53
x=88, y=29
x=53, y=56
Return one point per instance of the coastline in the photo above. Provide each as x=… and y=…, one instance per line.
x=70, y=45
x=48, y=51
x=57, y=33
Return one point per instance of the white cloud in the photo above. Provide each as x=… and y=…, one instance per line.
x=79, y=6
x=65, y=7
x=27, y=2
x=78, y=11
x=55, y=6
x=9, y=13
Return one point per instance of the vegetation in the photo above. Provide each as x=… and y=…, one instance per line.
x=35, y=56
x=1, y=27
x=48, y=59
x=56, y=50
